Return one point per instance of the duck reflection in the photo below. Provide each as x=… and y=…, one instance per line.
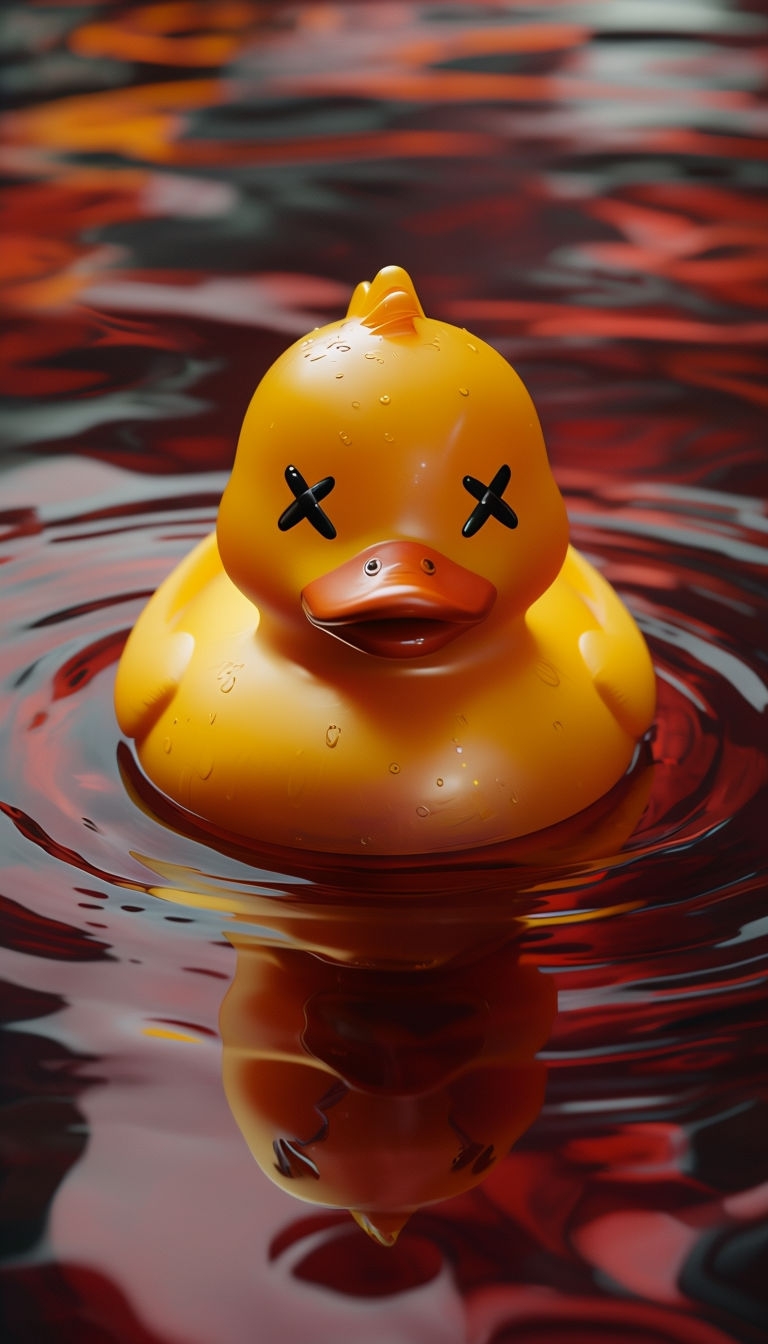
x=382, y=1091
x=381, y=1031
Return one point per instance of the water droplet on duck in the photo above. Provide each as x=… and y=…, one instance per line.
x=547, y=673
x=439, y=783
x=332, y=735
x=472, y=347
x=394, y=768
x=339, y=375
x=390, y=438
x=463, y=391
x=422, y=811
x=355, y=405
x=205, y=768
x=557, y=725
x=212, y=717
x=344, y=436
x=384, y=400
x=166, y=745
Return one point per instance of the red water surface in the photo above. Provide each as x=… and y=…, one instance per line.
x=187, y=188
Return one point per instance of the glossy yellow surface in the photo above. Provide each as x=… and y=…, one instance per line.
x=382, y=1093
x=398, y=687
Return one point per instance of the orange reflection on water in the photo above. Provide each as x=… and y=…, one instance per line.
x=187, y=34
x=142, y=122
x=381, y=1092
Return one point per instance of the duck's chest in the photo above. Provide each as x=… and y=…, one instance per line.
x=394, y=765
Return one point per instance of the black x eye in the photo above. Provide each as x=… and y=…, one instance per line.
x=489, y=502
x=306, y=504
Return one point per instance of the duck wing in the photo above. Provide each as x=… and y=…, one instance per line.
x=614, y=652
x=159, y=649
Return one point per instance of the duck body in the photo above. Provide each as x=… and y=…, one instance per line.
x=443, y=671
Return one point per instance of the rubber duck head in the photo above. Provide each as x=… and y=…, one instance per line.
x=391, y=486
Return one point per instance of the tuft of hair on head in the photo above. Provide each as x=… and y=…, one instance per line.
x=387, y=305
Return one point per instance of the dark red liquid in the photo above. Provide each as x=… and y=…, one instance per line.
x=187, y=189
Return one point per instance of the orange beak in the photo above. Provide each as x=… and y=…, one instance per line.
x=398, y=599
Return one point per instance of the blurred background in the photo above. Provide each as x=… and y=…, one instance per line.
x=189, y=186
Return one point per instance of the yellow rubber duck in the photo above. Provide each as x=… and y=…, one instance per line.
x=388, y=646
